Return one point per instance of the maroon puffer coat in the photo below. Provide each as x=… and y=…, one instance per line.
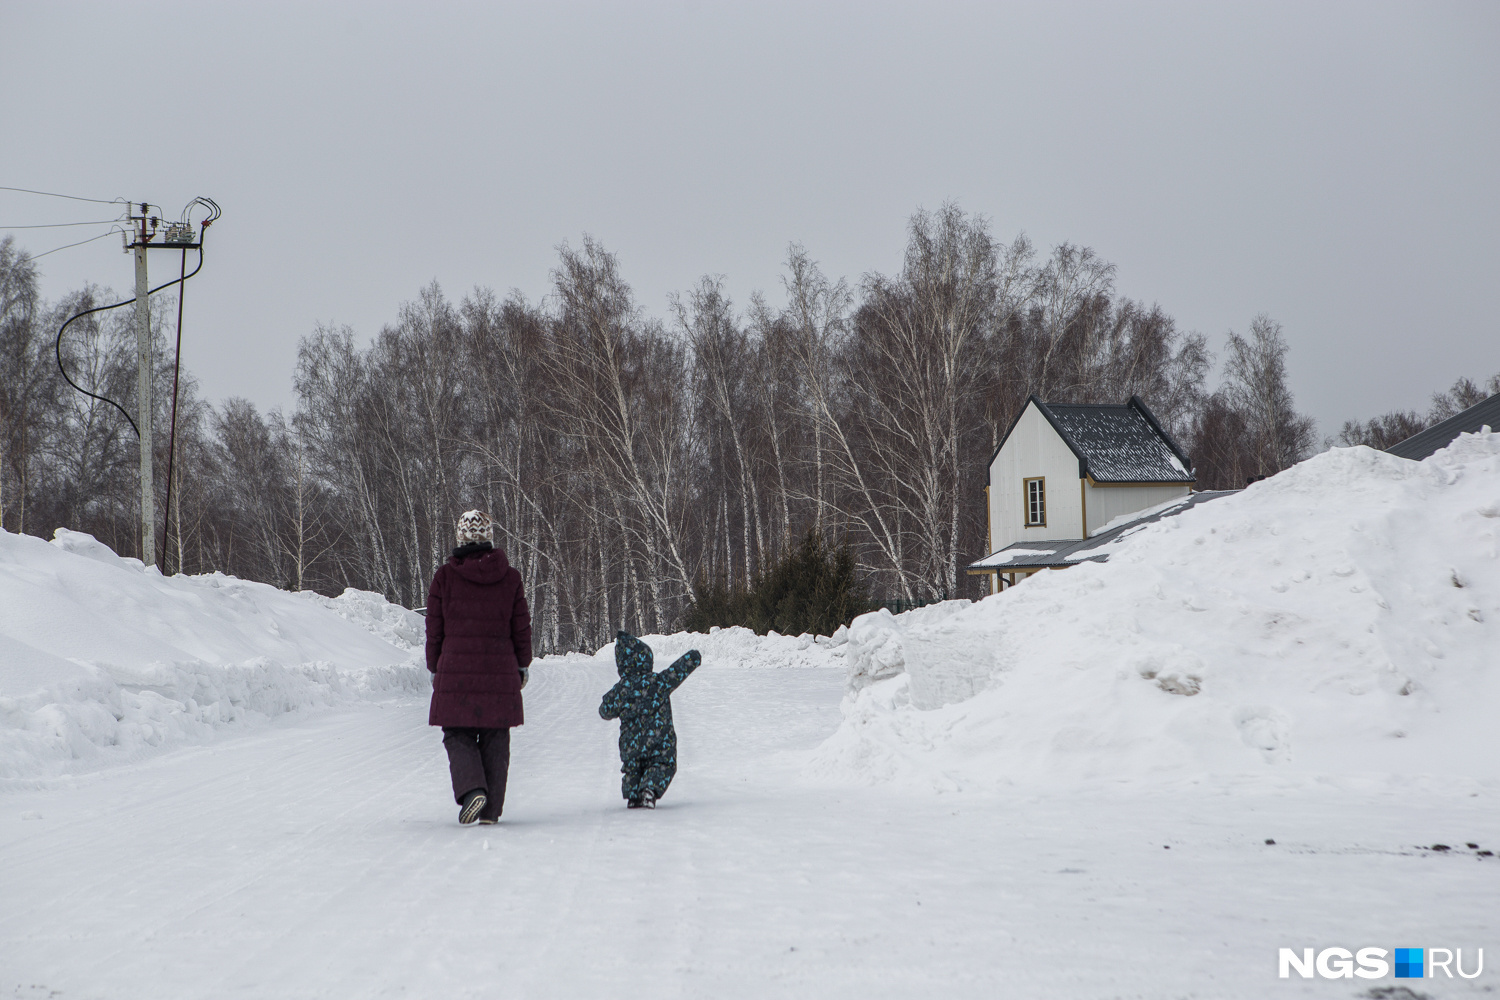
x=478, y=639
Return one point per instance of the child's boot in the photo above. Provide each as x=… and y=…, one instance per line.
x=648, y=799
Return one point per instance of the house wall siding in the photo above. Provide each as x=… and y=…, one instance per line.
x=1105, y=503
x=1034, y=449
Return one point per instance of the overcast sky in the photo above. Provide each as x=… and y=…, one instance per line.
x=1334, y=165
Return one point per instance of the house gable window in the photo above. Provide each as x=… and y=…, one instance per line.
x=1036, y=502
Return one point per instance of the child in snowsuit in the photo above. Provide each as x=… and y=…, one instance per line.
x=642, y=701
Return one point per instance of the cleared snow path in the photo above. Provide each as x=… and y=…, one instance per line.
x=320, y=857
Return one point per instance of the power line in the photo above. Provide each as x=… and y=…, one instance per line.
x=63, y=225
x=78, y=244
x=71, y=197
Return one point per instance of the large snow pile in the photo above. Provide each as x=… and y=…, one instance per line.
x=101, y=658
x=1339, y=620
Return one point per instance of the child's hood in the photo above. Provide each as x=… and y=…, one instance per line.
x=632, y=656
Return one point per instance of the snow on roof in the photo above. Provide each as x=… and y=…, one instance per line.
x=1163, y=509
x=1067, y=551
x=1120, y=443
x=1018, y=551
x=1485, y=413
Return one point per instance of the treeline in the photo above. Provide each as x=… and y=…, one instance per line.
x=1398, y=425
x=629, y=457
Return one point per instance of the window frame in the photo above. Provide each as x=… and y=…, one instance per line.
x=1026, y=501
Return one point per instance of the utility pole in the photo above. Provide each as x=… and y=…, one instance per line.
x=178, y=236
x=143, y=388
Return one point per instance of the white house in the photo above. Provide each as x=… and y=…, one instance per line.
x=1064, y=471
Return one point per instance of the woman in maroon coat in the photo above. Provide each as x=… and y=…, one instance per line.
x=479, y=650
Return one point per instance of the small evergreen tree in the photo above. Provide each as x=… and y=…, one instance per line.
x=812, y=589
x=717, y=603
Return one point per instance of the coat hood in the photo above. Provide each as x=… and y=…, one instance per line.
x=488, y=568
x=631, y=655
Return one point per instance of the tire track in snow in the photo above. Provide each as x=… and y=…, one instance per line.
x=139, y=873
x=575, y=743
x=311, y=774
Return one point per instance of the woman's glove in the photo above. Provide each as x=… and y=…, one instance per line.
x=525, y=675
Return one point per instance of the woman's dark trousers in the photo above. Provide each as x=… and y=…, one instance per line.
x=478, y=758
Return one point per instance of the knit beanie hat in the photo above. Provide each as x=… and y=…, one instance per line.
x=475, y=526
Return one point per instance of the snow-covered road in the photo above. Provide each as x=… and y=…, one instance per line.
x=320, y=857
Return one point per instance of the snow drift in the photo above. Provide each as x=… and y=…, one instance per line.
x=1339, y=619
x=101, y=658
x=741, y=648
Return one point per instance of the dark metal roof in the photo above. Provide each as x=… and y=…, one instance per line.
x=1059, y=552
x=1114, y=442
x=1485, y=413
x=1119, y=442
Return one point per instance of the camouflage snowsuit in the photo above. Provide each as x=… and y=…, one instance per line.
x=642, y=701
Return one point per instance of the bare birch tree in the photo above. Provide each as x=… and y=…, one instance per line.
x=1255, y=382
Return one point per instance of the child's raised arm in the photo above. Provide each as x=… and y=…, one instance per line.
x=680, y=668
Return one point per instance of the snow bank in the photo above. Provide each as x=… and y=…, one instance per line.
x=401, y=627
x=102, y=659
x=1339, y=619
x=740, y=648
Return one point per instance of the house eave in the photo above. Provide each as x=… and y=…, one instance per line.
x=1141, y=482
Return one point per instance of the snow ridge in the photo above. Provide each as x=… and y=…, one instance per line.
x=103, y=660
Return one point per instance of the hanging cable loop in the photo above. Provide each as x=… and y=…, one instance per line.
x=213, y=215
